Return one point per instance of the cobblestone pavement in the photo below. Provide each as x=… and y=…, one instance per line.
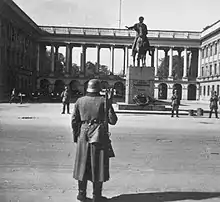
x=158, y=158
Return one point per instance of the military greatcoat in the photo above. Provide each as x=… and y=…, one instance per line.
x=214, y=102
x=92, y=159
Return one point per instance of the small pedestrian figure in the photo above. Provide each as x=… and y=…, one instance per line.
x=65, y=95
x=12, y=98
x=21, y=97
x=175, y=103
x=214, y=104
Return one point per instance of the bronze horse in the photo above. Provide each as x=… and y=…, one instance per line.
x=141, y=48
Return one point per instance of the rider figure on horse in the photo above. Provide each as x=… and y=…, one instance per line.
x=141, y=31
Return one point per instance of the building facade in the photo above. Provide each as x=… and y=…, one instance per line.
x=18, y=40
x=26, y=64
x=209, y=68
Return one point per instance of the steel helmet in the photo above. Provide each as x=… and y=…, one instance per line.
x=141, y=18
x=94, y=86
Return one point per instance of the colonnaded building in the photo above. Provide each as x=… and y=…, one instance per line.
x=24, y=60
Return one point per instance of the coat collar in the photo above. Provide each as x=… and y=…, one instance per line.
x=93, y=94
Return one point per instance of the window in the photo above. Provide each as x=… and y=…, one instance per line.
x=200, y=90
x=215, y=69
x=202, y=71
x=210, y=70
x=203, y=53
x=206, y=71
x=204, y=90
x=208, y=90
x=217, y=90
x=210, y=51
x=216, y=46
x=219, y=68
x=206, y=54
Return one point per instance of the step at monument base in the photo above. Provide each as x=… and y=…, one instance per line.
x=150, y=107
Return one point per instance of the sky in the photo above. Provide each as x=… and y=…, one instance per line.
x=186, y=15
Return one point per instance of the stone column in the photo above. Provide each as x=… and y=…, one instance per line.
x=185, y=65
x=38, y=59
x=112, y=58
x=52, y=59
x=70, y=58
x=126, y=59
x=98, y=48
x=199, y=63
x=156, y=63
x=67, y=58
x=170, y=77
x=83, y=60
x=152, y=58
x=169, y=91
x=184, y=91
x=179, y=63
x=56, y=56
x=218, y=50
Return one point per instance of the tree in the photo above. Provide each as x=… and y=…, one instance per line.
x=90, y=69
x=177, y=68
x=74, y=69
x=103, y=69
x=60, y=64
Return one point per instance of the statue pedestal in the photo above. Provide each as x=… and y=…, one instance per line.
x=139, y=80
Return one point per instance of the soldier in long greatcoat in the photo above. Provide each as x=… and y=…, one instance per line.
x=175, y=103
x=214, y=104
x=65, y=95
x=89, y=132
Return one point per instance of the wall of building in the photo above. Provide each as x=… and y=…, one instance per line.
x=17, y=56
x=206, y=89
x=210, y=64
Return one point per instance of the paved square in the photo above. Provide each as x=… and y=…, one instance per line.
x=158, y=158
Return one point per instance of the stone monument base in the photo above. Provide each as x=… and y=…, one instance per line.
x=150, y=107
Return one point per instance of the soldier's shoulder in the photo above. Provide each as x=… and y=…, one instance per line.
x=80, y=99
x=85, y=98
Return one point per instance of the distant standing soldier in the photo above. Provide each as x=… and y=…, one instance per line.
x=214, y=104
x=12, y=98
x=65, y=95
x=89, y=132
x=175, y=103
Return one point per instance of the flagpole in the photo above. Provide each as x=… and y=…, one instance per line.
x=120, y=14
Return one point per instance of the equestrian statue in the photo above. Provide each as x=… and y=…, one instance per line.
x=141, y=43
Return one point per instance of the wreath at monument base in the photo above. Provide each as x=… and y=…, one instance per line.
x=142, y=100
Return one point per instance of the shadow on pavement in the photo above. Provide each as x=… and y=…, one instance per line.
x=165, y=196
